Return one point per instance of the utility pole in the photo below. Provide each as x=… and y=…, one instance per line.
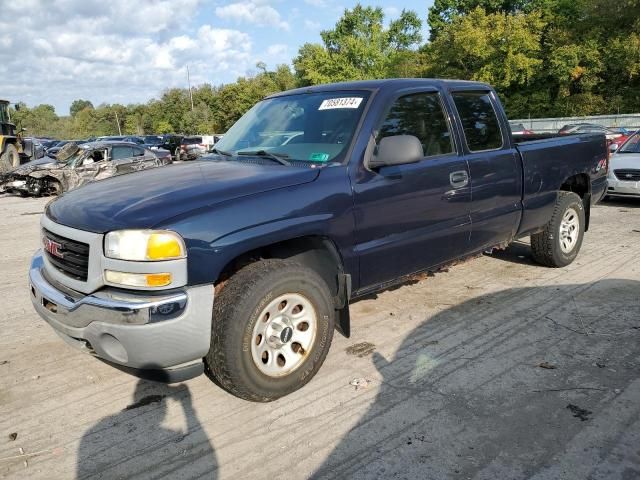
x=118, y=122
x=189, y=82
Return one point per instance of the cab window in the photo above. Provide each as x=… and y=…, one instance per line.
x=479, y=120
x=420, y=115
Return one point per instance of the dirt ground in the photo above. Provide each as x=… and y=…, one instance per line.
x=495, y=369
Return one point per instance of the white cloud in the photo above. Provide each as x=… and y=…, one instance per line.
x=311, y=25
x=278, y=49
x=315, y=3
x=253, y=11
x=111, y=51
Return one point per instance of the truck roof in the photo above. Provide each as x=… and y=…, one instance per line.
x=389, y=83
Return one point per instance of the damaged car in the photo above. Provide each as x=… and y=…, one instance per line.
x=76, y=165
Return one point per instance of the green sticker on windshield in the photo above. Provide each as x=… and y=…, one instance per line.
x=319, y=157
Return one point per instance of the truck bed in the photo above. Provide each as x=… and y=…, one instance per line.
x=548, y=159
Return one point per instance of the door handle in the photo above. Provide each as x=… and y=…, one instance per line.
x=459, y=179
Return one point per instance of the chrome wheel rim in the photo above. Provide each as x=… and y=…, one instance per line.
x=283, y=334
x=569, y=230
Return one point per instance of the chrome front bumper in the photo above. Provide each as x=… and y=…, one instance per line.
x=168, y=330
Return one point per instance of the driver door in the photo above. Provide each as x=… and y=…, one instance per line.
x=413, y=216
x=122, y=159
x=91, y=166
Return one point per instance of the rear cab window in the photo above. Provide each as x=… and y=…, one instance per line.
x=479, y=120
x=421, y=115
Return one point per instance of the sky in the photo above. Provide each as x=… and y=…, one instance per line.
x=129, y=51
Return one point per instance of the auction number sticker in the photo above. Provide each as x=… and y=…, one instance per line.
x=343, y=102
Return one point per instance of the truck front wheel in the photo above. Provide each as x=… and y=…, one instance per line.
x=272, y=328
x=560, y=241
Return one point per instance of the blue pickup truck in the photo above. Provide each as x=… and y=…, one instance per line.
x=243, y=263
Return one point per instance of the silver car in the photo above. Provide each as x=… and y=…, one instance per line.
x=624, y=169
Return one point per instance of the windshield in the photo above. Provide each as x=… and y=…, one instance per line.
x=309, y=127
x=632, y=145
x=75, y=160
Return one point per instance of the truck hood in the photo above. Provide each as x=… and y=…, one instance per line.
x=148, y=198
x=44, y=163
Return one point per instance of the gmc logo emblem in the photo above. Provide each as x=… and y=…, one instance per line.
x=52, y=247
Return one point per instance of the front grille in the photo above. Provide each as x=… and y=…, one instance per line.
x=74, y=256
x=629, y=175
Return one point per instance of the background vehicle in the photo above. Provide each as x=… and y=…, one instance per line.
x=192, y=147
x=37, y=149
x=520, y=129
x=47, y=143
x=121, y=138
x=389, y=178
x=610, y=133
x=624, y=169
x=624, y=136
x=165, y=142
x=14, y=149
x=78, y=165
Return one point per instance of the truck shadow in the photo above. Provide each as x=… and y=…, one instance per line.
x=517, y=252
x=621, y=202
x=490, y=388
x=134, y=443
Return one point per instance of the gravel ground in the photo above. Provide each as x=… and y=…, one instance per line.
x=495, y=369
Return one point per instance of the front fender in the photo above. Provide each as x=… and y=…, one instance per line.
x=215, y=237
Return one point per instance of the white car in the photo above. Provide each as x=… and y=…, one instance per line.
x=624, y=169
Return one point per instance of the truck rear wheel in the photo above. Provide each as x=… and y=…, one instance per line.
x=560, y=241
x=272, y=328
x=9, y=159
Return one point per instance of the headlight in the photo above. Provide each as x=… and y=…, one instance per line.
x=144, y=245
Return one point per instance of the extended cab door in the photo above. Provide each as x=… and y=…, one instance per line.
x=413, y=216
x=494, y=165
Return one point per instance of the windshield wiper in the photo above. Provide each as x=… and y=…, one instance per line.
x=276, y=157
x=222, y=152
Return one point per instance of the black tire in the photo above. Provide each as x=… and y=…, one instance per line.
x=236, y=310
x=9, y=159
x=547, y=245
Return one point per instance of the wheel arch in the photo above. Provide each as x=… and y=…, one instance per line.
x=580, y=184
x=319, y=253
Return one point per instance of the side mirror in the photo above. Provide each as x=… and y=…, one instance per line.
x=17, y=107
x=614, y=147
x=397, y=150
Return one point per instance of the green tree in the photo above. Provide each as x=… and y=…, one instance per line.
x=501, y=49
x=359, y=47
x=443, y=12
x=79, y=105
